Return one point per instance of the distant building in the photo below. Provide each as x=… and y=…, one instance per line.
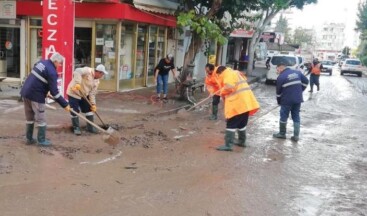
x=331, y=40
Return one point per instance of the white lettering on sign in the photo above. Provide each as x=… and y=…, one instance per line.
x=49, y=21
x=50, y=50
x=52, y=20
x=52, y=4
x=52, y=37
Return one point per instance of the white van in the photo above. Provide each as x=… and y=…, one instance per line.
x=292, y=62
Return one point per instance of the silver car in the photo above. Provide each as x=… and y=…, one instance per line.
x=351, y=66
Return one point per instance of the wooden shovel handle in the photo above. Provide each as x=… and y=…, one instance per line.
x=92, y=123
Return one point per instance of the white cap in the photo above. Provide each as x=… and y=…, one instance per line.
x=170, y=56
x=101, y=68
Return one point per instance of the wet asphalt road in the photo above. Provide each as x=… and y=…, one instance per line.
x=325, y=173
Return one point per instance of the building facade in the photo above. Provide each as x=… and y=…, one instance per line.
x=129, y=39
x=331, y=40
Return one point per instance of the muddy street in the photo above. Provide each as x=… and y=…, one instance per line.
x=166, y=163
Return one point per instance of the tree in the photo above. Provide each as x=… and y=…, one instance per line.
x=302, y=36
x=207, y=21
x=265, y=13
x=283, y=27
x=361, y=26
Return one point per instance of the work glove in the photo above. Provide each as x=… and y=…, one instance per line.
x=93, y=108
x=67, y=108
x=76, y=88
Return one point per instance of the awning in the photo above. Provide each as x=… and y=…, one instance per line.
x=157, y=6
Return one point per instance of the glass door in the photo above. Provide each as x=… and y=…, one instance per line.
x=140, y=72
x=9, y=52
x=152, y=61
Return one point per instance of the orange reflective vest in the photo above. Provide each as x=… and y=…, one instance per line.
x=238, y=95
x=211, y=84
x=316, y=69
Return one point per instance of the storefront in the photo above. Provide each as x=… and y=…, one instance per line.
x=127, y=40
x=9, y=40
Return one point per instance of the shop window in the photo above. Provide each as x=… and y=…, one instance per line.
x=126, y=50
x=35, y=45
x=152, y=61
x=82, y=47
x=140, y=51
x=105, y=48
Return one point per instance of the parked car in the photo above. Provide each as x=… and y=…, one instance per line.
x=351, y=66
x=291, y=60
x=327, y=67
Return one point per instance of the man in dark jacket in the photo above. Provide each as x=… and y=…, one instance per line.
x=41, y=80
x=290, y=86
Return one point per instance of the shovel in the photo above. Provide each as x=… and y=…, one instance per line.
x=111, y=137
x=90, y=104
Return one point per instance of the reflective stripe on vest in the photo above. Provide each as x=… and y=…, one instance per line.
x=292, y=83
x=39, y=77
x=239, y=91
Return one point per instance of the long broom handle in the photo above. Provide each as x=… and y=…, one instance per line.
x=204, y=100
x=90, y=122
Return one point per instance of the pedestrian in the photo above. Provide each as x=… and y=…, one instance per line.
x=82, y=91
x=290, y=85
x=41, y=81
x=315, y=71
x=213, y=88
x=239, y=104
x=161, y=75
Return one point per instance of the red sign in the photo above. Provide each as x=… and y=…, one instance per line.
x=58, y=36
x=242, y=33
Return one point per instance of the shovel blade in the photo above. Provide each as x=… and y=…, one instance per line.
x=111, y=137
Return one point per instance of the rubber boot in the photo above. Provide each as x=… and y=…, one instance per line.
x=41, y=136
x=76, y=128
x=228, y=138
x=241, y=139
x=318, y=87
x=90, y=127
x=214, y=115
x=282, y=131
x=29, y=134
x=296, y=130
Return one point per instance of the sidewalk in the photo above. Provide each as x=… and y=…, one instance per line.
x=11, y=87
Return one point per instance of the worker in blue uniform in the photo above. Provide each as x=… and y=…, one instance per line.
x=41, y=81
x=290, y=86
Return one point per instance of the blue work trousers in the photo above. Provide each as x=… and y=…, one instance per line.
x=293, y=109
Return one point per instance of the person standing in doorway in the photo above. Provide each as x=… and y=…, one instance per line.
x=239, y=104
x=213, y=88
x=290, y=86
x=82, y=91
x=161, y=75
x=41, y=81
x=315, y=71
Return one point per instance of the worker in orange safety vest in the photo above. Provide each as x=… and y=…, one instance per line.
x=213, y=89
x=315, y=71
x=239, y=104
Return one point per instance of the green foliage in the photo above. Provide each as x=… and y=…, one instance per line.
x=283, y=26
x=364, y=60
x=201, y=26
x=361, y=22
x=302, y=35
